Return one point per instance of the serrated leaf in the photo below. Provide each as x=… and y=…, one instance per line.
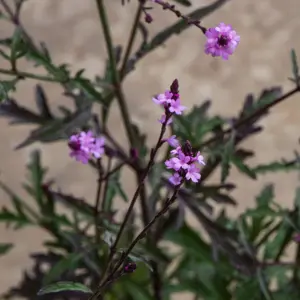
x=19, y=114
x=57, y=129
x=64, y=286
x=5, y=248
x=7, y=86
x=276, y=166
x=227, y=155
x=242, y=167
x=266, y=196
x=36, y=178
x=42, y=102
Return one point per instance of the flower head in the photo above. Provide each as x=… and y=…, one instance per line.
x=221, y=41
x=185, y=163
x=170, y=101
x=85, y=145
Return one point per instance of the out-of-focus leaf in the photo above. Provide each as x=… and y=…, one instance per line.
x=18, y=114
x=37, y=173
x=276, y=166
x=114, y=189
x=42, y=102
x=57, y=129
x=295, y=66
x=63, y=286
x=191, y=241
x=7, y=86
x=222, y=198
x=227, y=155
x=138, y=291
x=242, y=167
x=5, y=248
x=68, y=263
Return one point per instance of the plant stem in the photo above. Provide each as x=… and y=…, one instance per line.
x=115, y=75
x=97, y=201
x=140, y=236
x=132, y=203
x=27, y=75
x=131, y=37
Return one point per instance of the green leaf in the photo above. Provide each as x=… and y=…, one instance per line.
x=57, y=129
x=17, y=47
x=114, y=189
x=227, y=155
x=138, y=291
x=18, y=114
x=5, y=248
x=64, y=286
x=36, y=178
x=295, y=66
x=266, y=196
x=276, y=166
x=242, y=167
x=191, y=241
x=42, y=103
x=68, y=263
x=7, y=86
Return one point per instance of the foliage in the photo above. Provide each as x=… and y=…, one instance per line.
x=229, y=258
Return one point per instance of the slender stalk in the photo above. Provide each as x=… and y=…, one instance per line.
x=98, y=197
x=131, y=37
x=115, y=75
x=132, y=203
x=21, y=74
x=139, y=237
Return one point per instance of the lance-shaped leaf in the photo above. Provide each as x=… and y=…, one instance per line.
x=64, y=286
x=18, y=114
x=57, y=129
x=42, y=102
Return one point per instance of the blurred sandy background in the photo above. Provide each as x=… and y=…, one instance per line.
x=71, y=30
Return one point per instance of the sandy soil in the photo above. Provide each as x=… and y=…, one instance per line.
x=70, y=28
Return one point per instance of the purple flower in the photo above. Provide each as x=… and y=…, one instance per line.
x=172, y=141
x=162, y=99
x=193, y=173
x=176, y=107
x=175, y=179
x=184, y=162
x=97, y=148
x=85, y=145
x=221, y=41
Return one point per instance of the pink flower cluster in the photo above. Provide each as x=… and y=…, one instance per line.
x=184, y=162
x=170, y=100
x=85, y=145
x=221, y=41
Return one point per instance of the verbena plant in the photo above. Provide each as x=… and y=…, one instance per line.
x=90, y=254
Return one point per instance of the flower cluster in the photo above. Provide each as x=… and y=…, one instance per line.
x=85, y=145
x=170, y=100
x=221, y=41
x=184, y=162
